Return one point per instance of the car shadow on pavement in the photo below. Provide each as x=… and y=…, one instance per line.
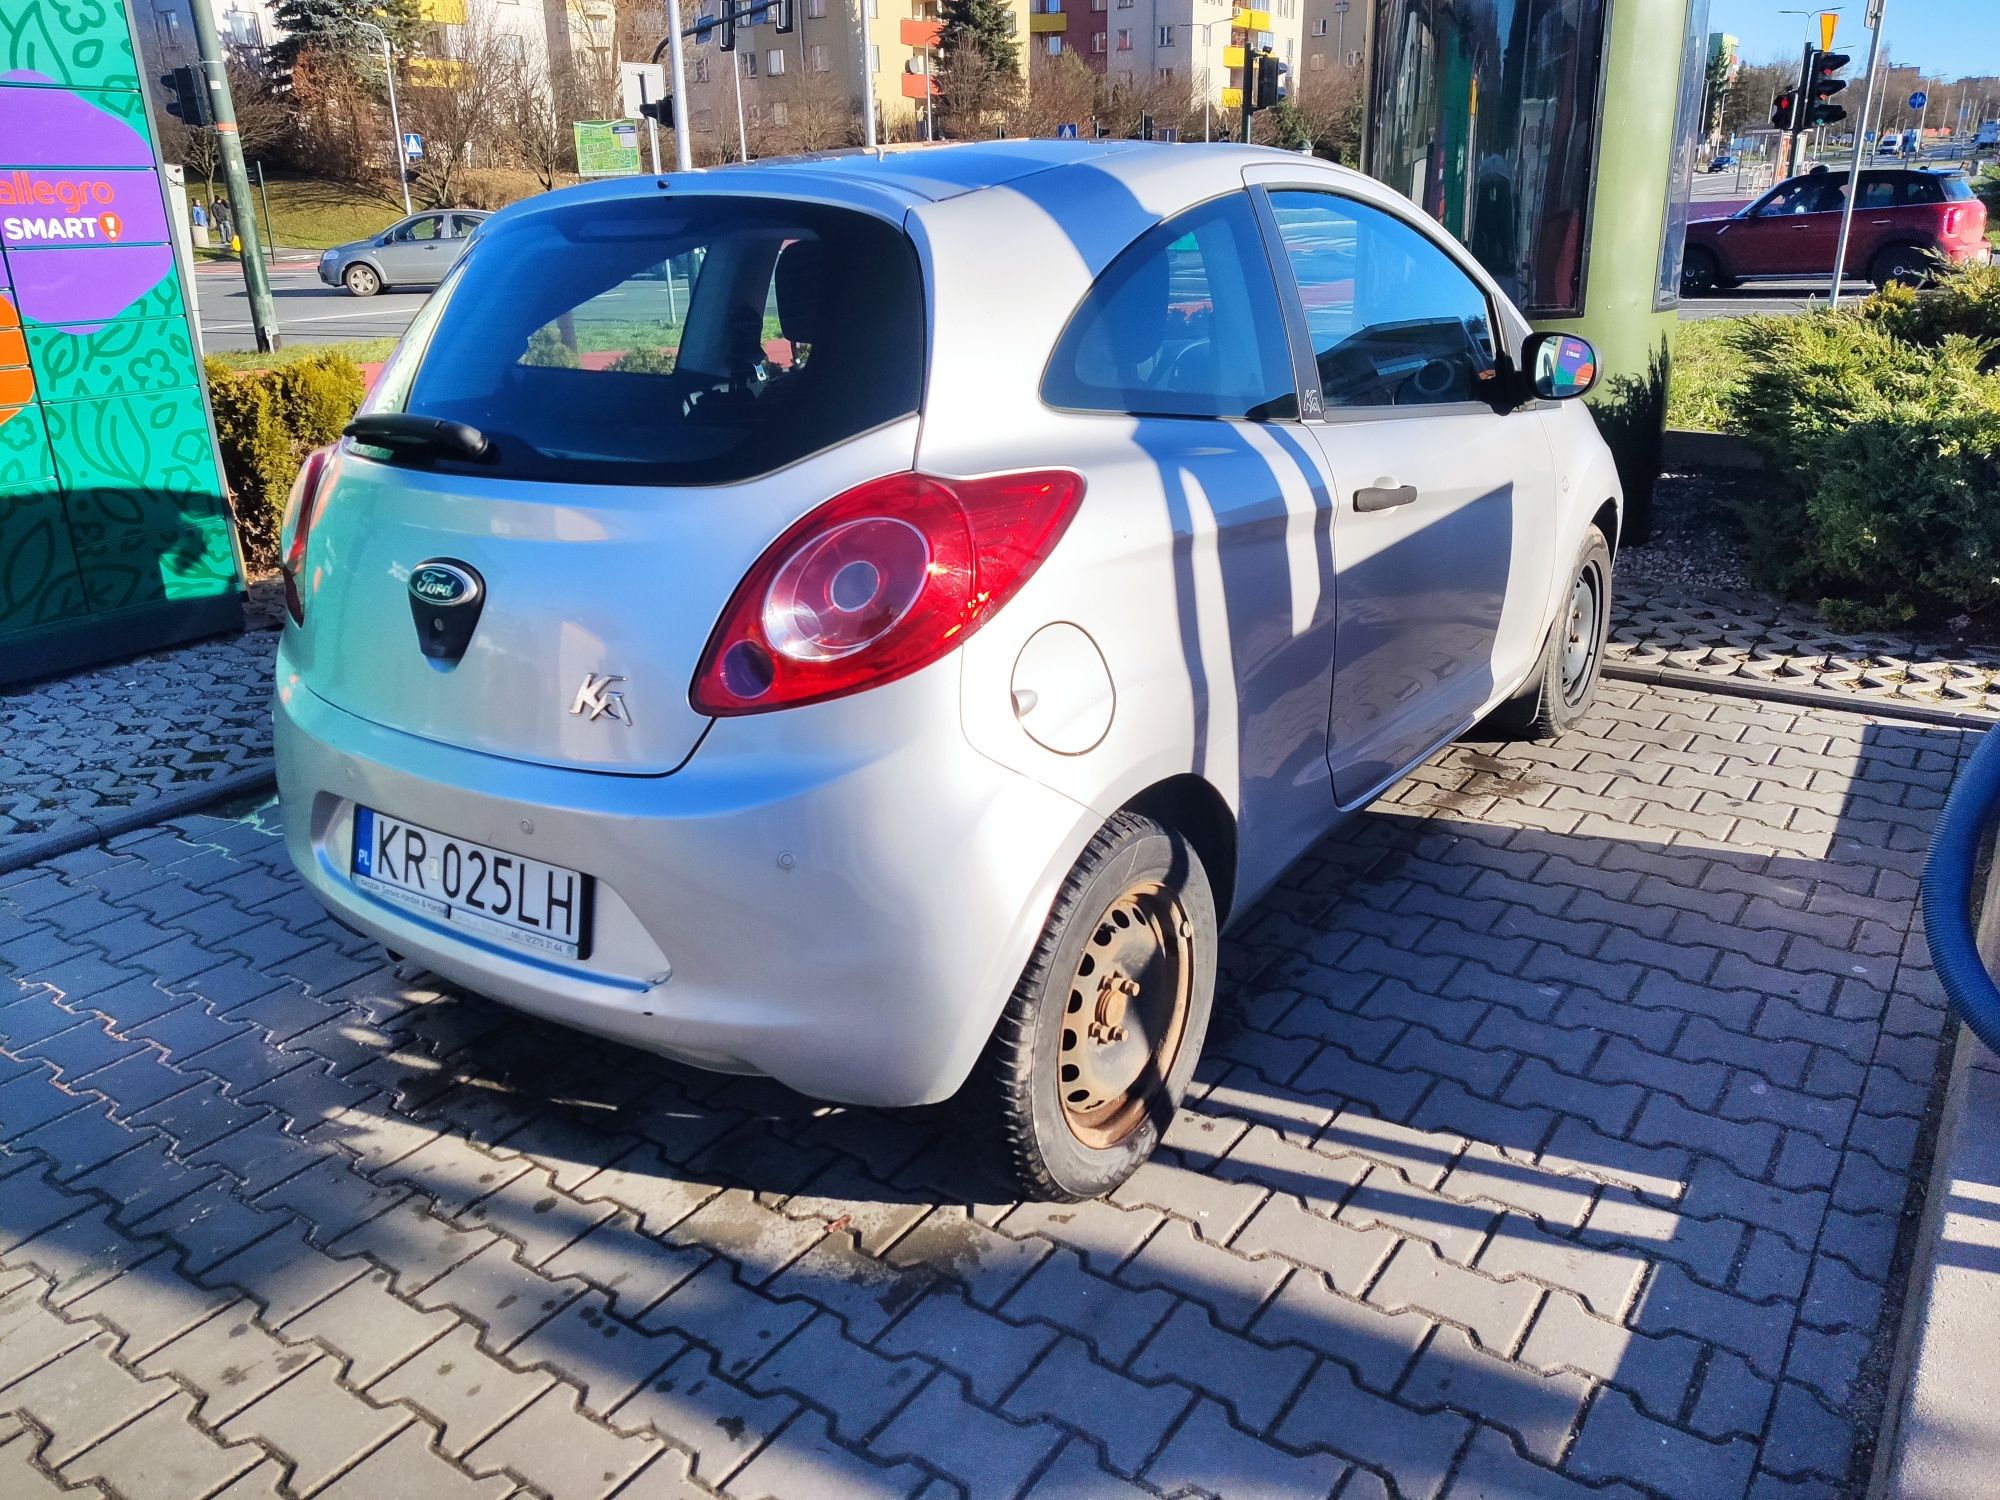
x=1547, y=1129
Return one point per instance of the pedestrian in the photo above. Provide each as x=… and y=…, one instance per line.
x=219, y=211
x=198, y=217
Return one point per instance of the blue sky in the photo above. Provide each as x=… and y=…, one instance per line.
x=1951, y=37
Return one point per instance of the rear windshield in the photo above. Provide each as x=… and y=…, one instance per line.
x=671, y=340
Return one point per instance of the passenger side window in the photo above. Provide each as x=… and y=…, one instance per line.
x=1876, y=193
x=1393, y=320
x=1184, y=323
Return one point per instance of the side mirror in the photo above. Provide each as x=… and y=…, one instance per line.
x=1560, y=366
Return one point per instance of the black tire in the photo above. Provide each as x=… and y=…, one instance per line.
x=362, y=280
x=1906, y=265
x=1701, y=272
x=1054, y=1138
x=1564, y=685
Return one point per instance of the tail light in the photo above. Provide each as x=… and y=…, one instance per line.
x=877, y=583
x=294, y=531
x=1953, y=217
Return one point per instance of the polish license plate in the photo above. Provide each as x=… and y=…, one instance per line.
x=484, y=890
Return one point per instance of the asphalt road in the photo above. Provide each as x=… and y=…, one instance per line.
x=309, y=312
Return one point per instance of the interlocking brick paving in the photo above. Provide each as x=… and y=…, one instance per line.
x=1556, y=1138
x=79, y=751
x=1758, y=637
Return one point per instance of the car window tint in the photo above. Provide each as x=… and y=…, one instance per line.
x=1184, y=323
x=701, y=340
x=1394, y=320
x=1923, y=189
x=1956, y=189
x=1877, y=192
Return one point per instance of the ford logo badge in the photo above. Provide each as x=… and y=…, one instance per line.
x=443, y=584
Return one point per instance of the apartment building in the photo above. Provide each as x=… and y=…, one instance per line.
x=1200, y=44
x=839, y=51
x=1333, y=43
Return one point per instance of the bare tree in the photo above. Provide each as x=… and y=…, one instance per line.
x=819, y=114
x=974, y=94
x=336, y=129
x=263, y=123
x=1325, y=112
x=456, y=102
x=1062, y=90
x=535, y=118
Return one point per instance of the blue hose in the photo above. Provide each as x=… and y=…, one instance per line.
x=1949, y=871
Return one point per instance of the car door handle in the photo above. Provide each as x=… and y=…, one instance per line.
x=1384, y=497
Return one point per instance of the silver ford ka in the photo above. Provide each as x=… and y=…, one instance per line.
x=874, y=621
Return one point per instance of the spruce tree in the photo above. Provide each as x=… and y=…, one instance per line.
x=331, y=25
x=976, y=31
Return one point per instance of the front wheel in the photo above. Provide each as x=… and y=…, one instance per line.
x=1564, y=685
x=362, y=281
x=1096, y=1045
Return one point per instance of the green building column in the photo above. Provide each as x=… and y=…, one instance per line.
x=1654, y=69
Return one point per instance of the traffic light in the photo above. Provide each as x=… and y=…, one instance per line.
x=1784, y=111
x=1822, y=86
x=1271, y=90
x=187, y=96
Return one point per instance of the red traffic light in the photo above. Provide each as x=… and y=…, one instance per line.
x=1783, y=111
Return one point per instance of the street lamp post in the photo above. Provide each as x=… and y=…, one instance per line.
x=395, y=120
x=1207, y=75
x=1875, y=9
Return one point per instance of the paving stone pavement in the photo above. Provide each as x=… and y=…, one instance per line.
x=80, y=750
x=1556, y=1138
x=1746, y=634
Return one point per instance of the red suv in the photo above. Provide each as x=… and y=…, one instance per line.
x=1903, y=219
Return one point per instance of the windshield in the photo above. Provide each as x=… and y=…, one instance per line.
x=687, y=340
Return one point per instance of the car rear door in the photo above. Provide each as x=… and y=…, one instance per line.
x=1444, y=507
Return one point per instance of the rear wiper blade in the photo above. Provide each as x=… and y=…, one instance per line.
x=406, y=432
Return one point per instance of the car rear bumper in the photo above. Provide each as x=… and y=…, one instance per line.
x=849, y=924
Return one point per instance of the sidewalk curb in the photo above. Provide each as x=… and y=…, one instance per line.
x=246, y=782
x=1917, y=1288
x=1803, y=697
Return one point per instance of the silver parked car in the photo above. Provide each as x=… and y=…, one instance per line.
x=416, y=251
x=873, y=621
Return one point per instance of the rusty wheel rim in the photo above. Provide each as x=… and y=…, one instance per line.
x=1125, y=1014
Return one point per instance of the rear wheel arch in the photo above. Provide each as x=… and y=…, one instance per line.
x=1606, y=521
x=1193, y=808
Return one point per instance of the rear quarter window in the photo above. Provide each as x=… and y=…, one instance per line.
x=693, y=340
x=1956, y=189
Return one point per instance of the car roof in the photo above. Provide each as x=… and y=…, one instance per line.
x=894, y=179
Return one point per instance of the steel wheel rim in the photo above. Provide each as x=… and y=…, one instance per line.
x=1125, y=1014
x=1580, y=632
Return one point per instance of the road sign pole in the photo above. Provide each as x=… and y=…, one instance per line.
x=242, y=207
x=398, y=155
x=1854, y=172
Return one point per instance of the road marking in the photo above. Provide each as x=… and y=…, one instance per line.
x=283, y=323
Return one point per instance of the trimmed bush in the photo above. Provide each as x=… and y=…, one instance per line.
x=266, y=422
x=1886, y=462
x=1964, y=301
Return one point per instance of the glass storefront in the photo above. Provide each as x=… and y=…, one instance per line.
x=1485, y=113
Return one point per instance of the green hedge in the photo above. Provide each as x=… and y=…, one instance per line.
x=1882, y=426
x=266, y=422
